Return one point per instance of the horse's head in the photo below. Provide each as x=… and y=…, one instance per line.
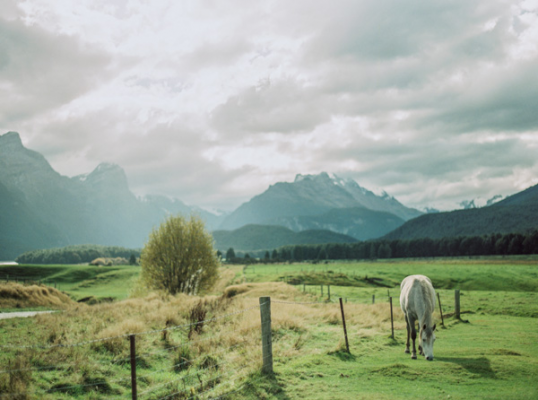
x=427, y=337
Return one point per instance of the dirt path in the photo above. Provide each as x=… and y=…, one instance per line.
x=22, y=314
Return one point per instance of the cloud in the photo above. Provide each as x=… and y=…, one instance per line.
x=40, y=71
x=281, y=106
x=434, y=102
x=501, y=99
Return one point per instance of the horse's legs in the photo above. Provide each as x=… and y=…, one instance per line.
x=408, y=334
x=414, y=337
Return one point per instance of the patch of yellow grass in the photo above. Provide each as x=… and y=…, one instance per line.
x=226, y=278
x=15, y=295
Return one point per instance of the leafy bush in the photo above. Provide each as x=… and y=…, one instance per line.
x=179, y=257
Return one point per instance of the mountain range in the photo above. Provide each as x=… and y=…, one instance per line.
x=305, y=203
x=39, y=208
x=516, y=213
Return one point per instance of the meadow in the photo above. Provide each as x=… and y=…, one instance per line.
x=490, y=353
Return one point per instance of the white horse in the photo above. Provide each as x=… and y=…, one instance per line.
x=417, y=299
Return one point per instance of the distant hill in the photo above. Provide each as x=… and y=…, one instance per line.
x=527, y=197
x=265, y=237
x=358, y=222
x=311, y=201
x=517, y=213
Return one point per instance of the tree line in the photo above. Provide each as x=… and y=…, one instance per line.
x=461, y=246
x=76, y=254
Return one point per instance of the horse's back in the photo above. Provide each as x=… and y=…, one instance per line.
x=417, y=294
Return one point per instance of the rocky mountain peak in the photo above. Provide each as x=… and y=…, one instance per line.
x=10, y=141
x=106, y=176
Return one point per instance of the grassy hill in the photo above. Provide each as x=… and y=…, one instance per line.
x=515, y=214
x=473, y=222
x=262, y=237
x=79, y=281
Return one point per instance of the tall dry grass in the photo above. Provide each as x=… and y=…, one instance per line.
x=15, y=295
x=225, y=346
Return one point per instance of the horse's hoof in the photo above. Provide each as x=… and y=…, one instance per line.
x=414, y=357
x=407, y=351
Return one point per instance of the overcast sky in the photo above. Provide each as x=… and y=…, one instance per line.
x=211, y=101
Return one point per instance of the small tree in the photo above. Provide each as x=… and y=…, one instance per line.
x=179, y=257
x=230, y=255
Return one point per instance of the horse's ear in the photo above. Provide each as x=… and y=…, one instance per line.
x=434, y=325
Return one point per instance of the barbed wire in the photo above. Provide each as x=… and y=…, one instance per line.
x=8, y=371
x=128, y=334
x=139, y=356
x=181, y=378
x=189, y=342
x=190, y=361
x=209, y=389
x=190, y=374
x=297, y=302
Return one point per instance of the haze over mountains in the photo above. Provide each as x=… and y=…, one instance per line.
x=39, y=208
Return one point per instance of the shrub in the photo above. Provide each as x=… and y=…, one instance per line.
x=179, y=257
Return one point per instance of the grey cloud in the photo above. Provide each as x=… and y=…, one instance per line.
x=325, y=62
x=442, y=159
x=283, y=106
x=504, y=99
x=9, y=9
x=439, y=172
x=216, y=54
x=41, y=70
x=392, y=29
x=348, y=77
x=165, y=159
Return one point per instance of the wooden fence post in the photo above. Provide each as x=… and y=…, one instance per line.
x=391, y=318
x=344, y=323
x=303, y=287
x=373, y=299
x=133, y=366
x=321, y=290
x=457, y=304
x=329, y=291
x=267, y=344
x=440, y=309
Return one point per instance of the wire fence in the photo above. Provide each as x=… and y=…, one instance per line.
x=210, y=365
x=203, y=374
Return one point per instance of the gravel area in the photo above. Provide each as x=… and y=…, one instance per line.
x=22, y=314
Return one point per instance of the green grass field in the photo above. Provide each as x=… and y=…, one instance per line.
x=492, y=353
x=79, y=281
